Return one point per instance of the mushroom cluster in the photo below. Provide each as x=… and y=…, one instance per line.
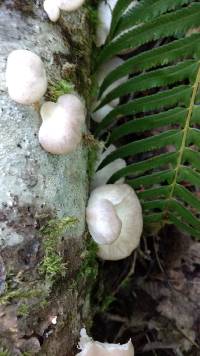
x=61, y=129
x=25, y=77
x=89, y=347
x=115, y=222
x=53, y=7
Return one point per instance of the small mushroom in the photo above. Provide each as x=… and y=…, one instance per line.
x=52, y=10
x=70, y=5
x=61, y=129
x=25, y=77
x=105, y=9
x=102, y=176
x=119, y=243
x=104, y=70
x=95, y=348
x=99, y=115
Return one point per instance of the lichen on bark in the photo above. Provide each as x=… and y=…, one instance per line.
x=37, y=187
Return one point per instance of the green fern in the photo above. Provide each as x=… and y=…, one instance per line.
x=162, y=112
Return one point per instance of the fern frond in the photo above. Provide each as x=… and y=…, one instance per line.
x=168, y=53
x=154, y=79
x=165, y=99
x=172, y=24
x=156, y=124
x=147, y=10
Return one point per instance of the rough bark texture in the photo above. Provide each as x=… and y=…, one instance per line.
x=37, y=187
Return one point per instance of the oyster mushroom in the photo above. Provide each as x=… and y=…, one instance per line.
x=25, y=77
x=61, y=129
x=109, y=205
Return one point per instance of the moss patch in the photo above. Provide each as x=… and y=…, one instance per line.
x=89, y=266
x=62, y=87
x=53, y=266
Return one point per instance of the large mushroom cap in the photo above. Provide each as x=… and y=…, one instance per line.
x=103, y=213
x=95, y=348
x=128, y=210
x=70, y=5
x=25, y=77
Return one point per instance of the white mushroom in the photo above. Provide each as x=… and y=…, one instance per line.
x=105, y=9
x=52, y=10
x=61, y=129
x=70, y=5
x=99, y=115
x=104, y=70
x=25, y=77
x=74, y=104
x=95, y=348
x=102, y=176
x=127, y=208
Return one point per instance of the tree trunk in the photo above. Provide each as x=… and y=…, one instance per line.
x=40, y=306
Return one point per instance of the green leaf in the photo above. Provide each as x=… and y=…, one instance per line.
x=176, y=50
x=172, y=116
x=147, y=10
x=151, y=179
x=150, y=143
x=118, y=11
x=145, y=166
x=154, y=79
x=175, y=23
x=165, y=99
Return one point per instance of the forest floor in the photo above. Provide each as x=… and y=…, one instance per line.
x=152, y=297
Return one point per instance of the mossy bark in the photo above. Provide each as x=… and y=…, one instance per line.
x=37, y=187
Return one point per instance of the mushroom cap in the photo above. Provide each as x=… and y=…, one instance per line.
x=70, y=5
x=103, y=212
x=25, y=77
x=105, y=18
x=128, y=209
x=60, y=132
x=74, y=105
x=52, y=10
x=104, y=70
x=91, y=348
x=102, y=176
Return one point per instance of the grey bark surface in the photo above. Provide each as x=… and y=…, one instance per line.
x=36, y=187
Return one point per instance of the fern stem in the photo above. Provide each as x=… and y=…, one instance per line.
x=183, y=143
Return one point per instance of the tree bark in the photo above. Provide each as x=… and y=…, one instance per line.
x=36, y=187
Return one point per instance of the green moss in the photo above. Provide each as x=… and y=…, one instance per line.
x=92, y=15
x=53, y=266
x=107, y=301
x=62, y=87
x=94, y=147
x=89, y=266
x=23, y=310
x=19, y=294
x=4, y=352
